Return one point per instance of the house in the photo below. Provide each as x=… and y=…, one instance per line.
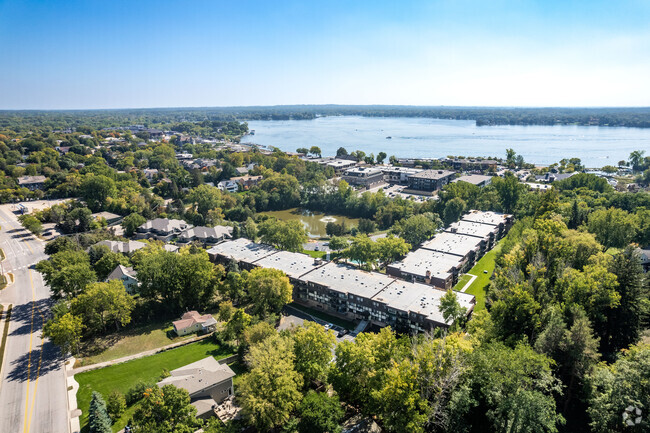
x=127, y=276
x=552, y=177
x=363, y=176
x=206, y=235
x=150, y=173
x=108, y=216
x=207, y=381
x=644, y=254
x=430, y=180
x=32, y=183
x=192, y=322
x=162, y=229
x=475, y=179
x=228, y=185
x=247, y=181
x=242, y=170
x=127, y=247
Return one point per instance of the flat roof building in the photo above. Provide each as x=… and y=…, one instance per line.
x=363, y=176
x=244, y=251
x=430, y=180
x=475, y=179
x=429, y=267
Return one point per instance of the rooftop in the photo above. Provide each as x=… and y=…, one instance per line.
x=422, y=260
x=474, y=179
x=121, y=271
x=207, y=232
x=242, y=250
x=452, y=243
x=164, y=225
x=432, y=174
x=489, y=217
x=347, y=279
x=199, y=375
x=292, y=264
x=471, y=228
x=123, y=247
x=420, y=298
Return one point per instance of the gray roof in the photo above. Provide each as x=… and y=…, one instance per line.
x=292, y=264
x=28, y=180
x=432, y=174
x=165, y=225
x=422, y=260
x=474, y=179
x=452, y=243
x=472, y=228
x=121, y=271
x=123, y=247
x=347, y=279
x=242, y=250
x=486, y=217
x=199, y=375
x=207, y=232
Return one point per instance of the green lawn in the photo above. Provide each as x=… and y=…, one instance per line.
x=486, y=263
x=122, y=377
x=315, y=254
x=129, y=342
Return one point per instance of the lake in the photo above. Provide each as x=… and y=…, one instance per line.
x=436, y=138
x=314, y=222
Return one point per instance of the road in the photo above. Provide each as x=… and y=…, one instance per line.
x=33, y=390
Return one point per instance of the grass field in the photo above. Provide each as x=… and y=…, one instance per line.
x=122, y=377
x=315, y=254
x=130, y=342
x=486, y=263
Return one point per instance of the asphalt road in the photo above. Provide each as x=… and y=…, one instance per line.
x=33, y=395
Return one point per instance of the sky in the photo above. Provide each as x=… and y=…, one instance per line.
x=194, y=53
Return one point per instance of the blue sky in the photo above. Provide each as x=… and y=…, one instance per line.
x=118, y=54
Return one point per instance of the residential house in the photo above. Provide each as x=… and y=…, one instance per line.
x=207, y=381
x=32, y=183
x=247, y=181
x=228, y=185
x=192, y=322
x=206, y=235
x=127, y=247
x=128, y=277
x=162, y=229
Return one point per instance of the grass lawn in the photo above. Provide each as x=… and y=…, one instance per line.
x=122, y=377
x=315, y=254
x=129, y=342
x=324, y=316
x=486, y=263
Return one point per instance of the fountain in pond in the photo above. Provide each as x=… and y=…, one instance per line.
x=327, y=219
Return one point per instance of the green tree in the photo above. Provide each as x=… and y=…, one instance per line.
x=286, y=235
x=116, y=405
x=269, y=393
x=613, y=227
x=98, y=419
x=165, y=410
x=390, y=249
x=417, y=229
x=337, y=243
x=131, y=222
x=103, y=303
x=313, y=350
x=366, y=226
x=315, y=150
x=65, y=332
x=635, y=159
x=362, y=250
x=341, y=151
x=381, y=156
x=320, y=413
x=269, y=289
x=31, y=223
x=96, y=190
x=302, y=150
x=250, y=229
x=454, y=209
x=451, y=310
x=109, y=261
x=72, y=280
x=509, y=190
x=236, y=326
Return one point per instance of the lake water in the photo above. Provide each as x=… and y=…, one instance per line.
x=436, y=138
x=314, y=222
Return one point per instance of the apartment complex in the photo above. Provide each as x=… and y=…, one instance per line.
x=363, y=176
x=440, y=260
x=430, y=180
x=345, y=291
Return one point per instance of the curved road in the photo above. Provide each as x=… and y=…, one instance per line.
x=33, y=396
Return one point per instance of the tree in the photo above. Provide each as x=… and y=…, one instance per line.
x=269, y=289
x=454, y=209
x=320, y=413
x=165, y=410
x=65, y=332
x=417, y=229
x=250, y=229
x=366, y=226
x=131, y=222
x=96, y=190
x=313, y=350
x=286, y=235
x=618, y=386
x=31, y=223
x=258, y=333
x=103, y=303
x=108, y=263
x=337, y=243
x=362, y=250
x=236, y=326
x=509, y=190
x=116, y=405
x=72, y=280
x=302, y=150
x=451, y=310
x=635, y=159
x=381, y=156
x=613, y=227
x=98, y=419
x=335, y=229
x=390, y=249
x=269, y=393
x=315, y=150
x=341, y=151
x=205, y=198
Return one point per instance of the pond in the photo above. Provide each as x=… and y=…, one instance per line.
x=314, y=222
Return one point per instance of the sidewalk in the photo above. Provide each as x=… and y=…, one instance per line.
x=137, y=355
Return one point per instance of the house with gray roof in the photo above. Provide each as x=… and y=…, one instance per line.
x=128, y=277
x=127, y=247
x=206, y=235
x=207, y=381
x=162, y=229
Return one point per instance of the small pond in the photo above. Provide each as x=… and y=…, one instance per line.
x=314, y=222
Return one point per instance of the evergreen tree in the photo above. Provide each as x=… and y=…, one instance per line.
x=98, y=418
